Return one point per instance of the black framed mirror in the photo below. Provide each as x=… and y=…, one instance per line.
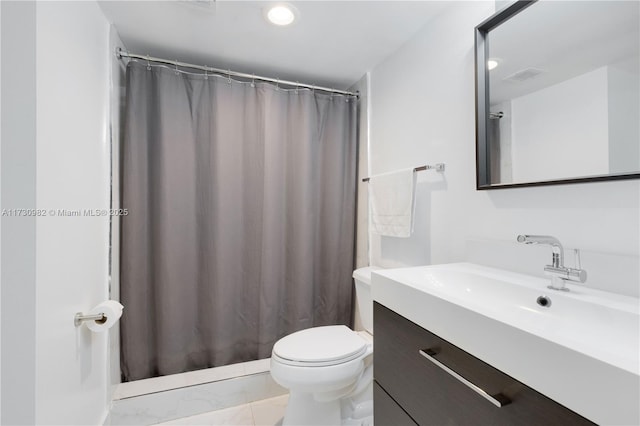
x=558, y=93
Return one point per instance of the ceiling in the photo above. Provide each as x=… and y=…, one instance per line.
x=332, y=43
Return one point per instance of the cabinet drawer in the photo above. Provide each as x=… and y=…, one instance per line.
x=385, y=410
x=429, y=385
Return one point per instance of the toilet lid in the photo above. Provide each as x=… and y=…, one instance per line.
x=320, y=345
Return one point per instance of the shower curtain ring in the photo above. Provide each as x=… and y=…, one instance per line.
x=278, y=84
x=297, y=86
x=177, y=71
x=229, y=75
x=253, y=80
x=148, y=64
x=206, y=75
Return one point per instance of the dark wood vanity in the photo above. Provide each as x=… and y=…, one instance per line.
x=419, y=380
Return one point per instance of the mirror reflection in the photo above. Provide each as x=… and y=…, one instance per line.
x=564, y=92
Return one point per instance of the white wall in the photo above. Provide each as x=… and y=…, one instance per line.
x=117, y=101
x=0, y=225
x=362, y=223
x=624, y=113
x=72, y=173
x=362, y=216
x=422, y=111
x=561, y=131
x=18, y=192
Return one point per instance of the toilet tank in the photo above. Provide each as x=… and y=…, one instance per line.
x=364, y=301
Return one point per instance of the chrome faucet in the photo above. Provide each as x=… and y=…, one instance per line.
x=559, y=273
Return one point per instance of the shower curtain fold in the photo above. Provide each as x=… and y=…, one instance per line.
x=493, y=147
x=241, y=223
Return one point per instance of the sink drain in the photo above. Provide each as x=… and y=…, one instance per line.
x=543, y=301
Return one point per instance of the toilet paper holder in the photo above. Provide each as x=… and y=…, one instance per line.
x=79, y=318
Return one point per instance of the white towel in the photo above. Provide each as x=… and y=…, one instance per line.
x=391, y=197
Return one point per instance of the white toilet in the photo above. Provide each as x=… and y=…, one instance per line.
x=329, y=370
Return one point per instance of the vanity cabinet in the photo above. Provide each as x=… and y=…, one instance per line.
x=422, y=379
x=387, y=411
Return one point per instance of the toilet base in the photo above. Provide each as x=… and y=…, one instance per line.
x=358, y=409
x=304, y=410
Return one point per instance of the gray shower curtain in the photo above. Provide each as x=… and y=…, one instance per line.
x=493, y=147
x=241, y=201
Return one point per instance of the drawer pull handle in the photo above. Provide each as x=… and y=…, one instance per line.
x=498, y=400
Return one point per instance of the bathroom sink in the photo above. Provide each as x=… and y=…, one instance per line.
x=580, y=348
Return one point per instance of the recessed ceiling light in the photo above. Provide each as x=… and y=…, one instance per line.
x=492, y=63
x=281, y=15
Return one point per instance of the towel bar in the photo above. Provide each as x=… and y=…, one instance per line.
x=439, y=167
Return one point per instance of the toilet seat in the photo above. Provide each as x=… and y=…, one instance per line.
x=319, y=347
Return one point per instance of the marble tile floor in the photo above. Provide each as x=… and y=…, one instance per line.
x=266, y=412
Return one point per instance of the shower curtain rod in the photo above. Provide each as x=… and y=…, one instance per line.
x=120, y=53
